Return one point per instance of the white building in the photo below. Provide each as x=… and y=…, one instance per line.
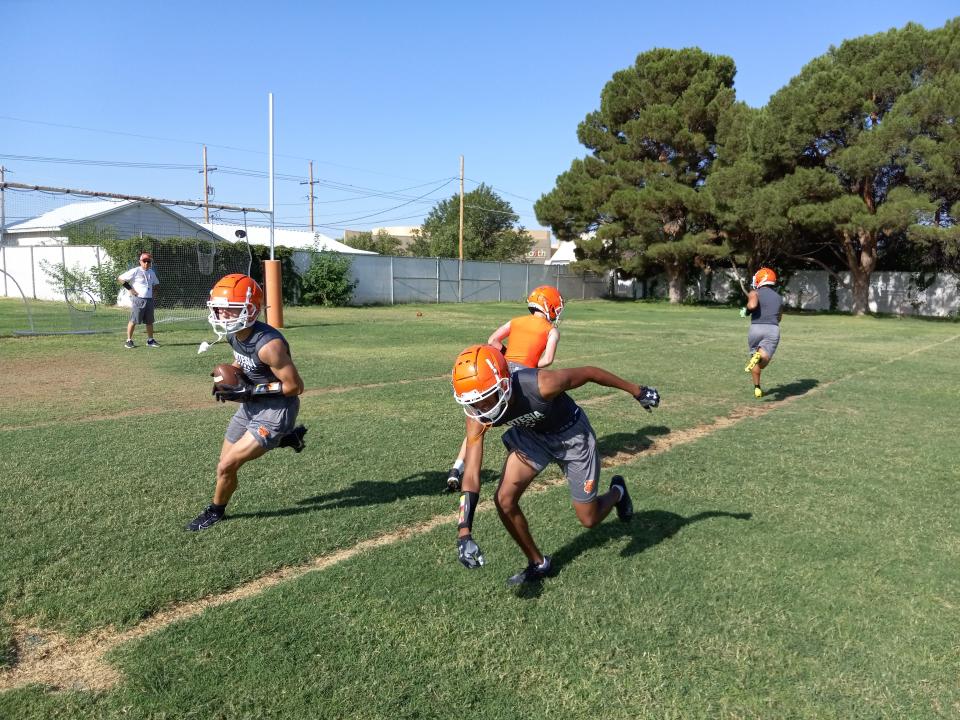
x=119, y=219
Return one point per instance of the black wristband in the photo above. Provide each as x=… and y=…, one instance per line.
x=468, y=505
x=127, y=285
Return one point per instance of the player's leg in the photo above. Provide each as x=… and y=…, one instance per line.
x=592, y=513
x=130, y=326
x=516, y=478
x=232, y=457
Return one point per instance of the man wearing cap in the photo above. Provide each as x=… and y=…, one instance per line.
x=139, y=282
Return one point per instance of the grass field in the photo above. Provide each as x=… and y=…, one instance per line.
x=793, y=557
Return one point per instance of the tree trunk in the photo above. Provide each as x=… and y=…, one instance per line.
x=675, y=280
x=861, y=267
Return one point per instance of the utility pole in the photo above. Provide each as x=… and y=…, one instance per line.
x=3, y=203
x=310, y=184
x=206, y=187
x=460, y=280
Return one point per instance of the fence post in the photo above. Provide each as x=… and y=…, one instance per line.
x=438, y=281
x=3, y=250
x=526, y=282
x=33, y=277
x=500, y=281
x=391, y=280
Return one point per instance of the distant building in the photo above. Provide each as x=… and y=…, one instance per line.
x=539, y=253
x=119, y=219
x=542, y=246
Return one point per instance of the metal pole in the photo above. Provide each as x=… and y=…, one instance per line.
x=460, y=269
x=438, y=281
x=391, y=279
x=3, y=251
x=270, y=103
x=33, y=277
x=526, y=282
x=500, y=282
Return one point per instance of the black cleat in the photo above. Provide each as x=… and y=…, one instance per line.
x=294, y=439
x=207, y=519
x=624, y=504
x=531, y=573
x=453, y=480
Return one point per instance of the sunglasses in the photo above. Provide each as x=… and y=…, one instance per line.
x=146, y=260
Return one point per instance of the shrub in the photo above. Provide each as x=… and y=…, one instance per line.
x=327, y=281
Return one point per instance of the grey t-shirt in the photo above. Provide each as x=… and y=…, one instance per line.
x=768, y=311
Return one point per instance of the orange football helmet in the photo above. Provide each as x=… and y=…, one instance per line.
x=234, y=292
x=481, y=383
x=764, y=276
x=546, y=299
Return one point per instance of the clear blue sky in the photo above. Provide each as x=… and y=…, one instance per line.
x=383, y=96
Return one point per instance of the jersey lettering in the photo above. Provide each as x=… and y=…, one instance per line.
x=529, y=420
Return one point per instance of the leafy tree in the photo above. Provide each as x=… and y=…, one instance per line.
x=489, y=231
x=652, y=143
x=327, y=280
x=843, y=131
x=383, y=243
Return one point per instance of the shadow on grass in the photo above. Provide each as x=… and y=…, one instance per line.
x=648, y=528
x=367, y=492
x=634, y=442
x=794, y=389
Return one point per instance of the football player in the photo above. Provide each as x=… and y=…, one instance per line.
x=765, y=308
x=268, y=389
x=533, y=343
x=546, y=426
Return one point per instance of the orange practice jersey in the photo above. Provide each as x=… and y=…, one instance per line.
x=527, y=339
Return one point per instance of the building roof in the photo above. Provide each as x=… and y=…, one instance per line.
x=297, y=239
x=55, y=220
x=564, y=254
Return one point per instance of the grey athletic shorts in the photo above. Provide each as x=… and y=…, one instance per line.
x=141, y=310
x=574, y=450
x=267, y=420
x=765, y=337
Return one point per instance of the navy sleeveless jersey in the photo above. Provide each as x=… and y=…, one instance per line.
x=529, y=409
x=247, y=352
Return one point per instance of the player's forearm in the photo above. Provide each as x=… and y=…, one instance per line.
x=603, y=377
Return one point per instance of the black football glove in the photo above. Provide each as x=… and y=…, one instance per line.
x=469, y=553
x=648, y=398
x=241, y=392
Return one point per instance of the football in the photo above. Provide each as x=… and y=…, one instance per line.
x=226, y=375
